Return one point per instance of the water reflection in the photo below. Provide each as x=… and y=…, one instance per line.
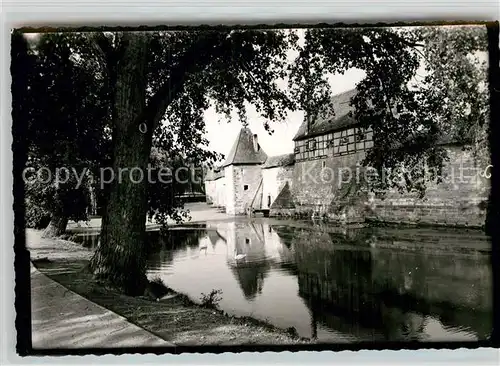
x=336, y=284
x=391, y=294
x=247, y=257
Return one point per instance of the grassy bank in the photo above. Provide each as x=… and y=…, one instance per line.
x=175, y=318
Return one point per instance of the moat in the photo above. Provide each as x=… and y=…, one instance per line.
x=334, y=284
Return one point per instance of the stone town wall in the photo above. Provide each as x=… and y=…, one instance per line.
x=316, y=183
x=273, y=182
x=460, y=200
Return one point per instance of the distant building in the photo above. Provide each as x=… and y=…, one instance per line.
x=215, y=187
x=220, y=188
x=209, y=181
x=248, y=178
x=242, y=172
x=308, y=181
x=322, y=148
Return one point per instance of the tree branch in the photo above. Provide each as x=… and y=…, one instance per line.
x=258, y=86
x=101, y=45
x=198, y=55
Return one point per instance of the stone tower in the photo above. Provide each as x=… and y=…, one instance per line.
x=242, y=170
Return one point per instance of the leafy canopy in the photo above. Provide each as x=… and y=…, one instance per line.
x=188, y=71
x=64, y=116
x=410, y=114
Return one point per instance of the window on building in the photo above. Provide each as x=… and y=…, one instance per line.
x=323, y=164
x=247, y=241
x=351, y=141
x=311, y=145
x=360, y=135
x=245, y=187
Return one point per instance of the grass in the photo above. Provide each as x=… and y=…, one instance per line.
x=157, y=289
x=176, y=318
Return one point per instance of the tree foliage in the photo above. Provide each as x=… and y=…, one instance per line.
x=455, y=87
x=65, y=119
x=410, y=119
x=171, y=177
x=161, y=83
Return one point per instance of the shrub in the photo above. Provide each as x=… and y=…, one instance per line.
x=212, y=299
x=156, y=288
x=292, y=332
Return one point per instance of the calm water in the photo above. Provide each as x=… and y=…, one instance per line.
x=336, y=285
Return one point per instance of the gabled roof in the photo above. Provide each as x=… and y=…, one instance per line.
x=325, y=124
x=343, y=119
x=243, y=151
x=279, y=160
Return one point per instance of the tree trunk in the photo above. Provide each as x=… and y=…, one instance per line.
x=58, y=218
x=56, y=227
x=120, y=257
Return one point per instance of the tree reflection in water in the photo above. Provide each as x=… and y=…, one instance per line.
x=165, y=244
x=360, y=290
x=354, y=283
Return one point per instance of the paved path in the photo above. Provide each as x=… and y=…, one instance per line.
x=199, y=212
x=64, y=319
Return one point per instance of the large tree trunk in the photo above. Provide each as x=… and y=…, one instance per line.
x=56, y=227
x=120, y=257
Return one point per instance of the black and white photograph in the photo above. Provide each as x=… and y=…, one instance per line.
x=216, y=188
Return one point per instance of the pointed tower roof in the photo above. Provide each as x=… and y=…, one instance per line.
x=244, y=151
